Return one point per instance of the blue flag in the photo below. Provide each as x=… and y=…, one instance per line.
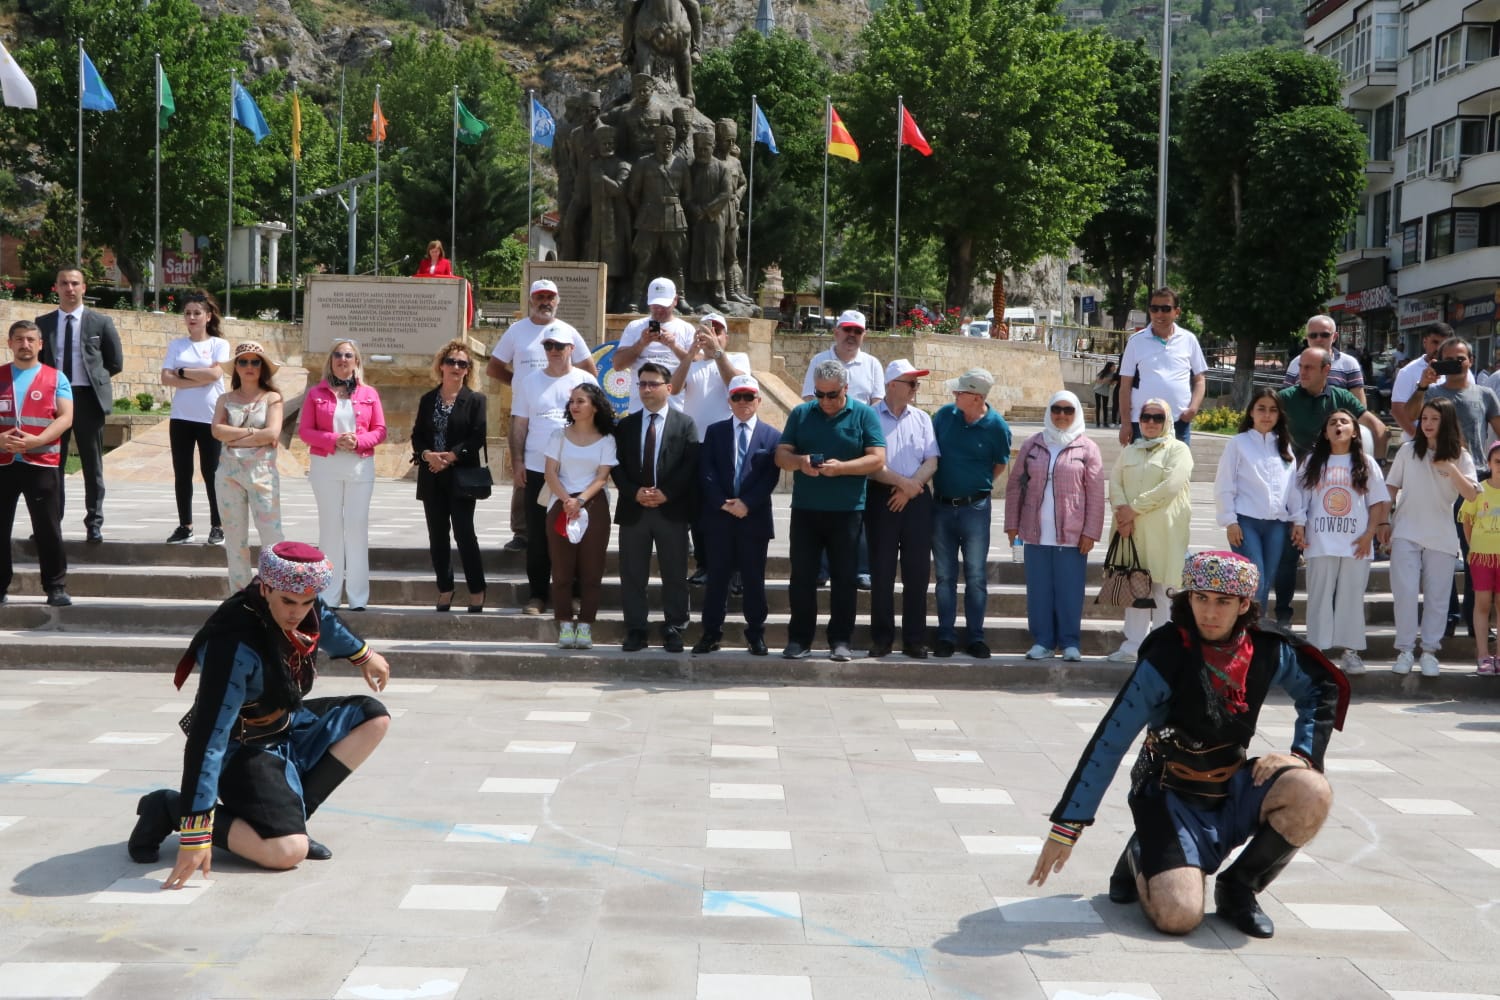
x=247, y=113
x=763, y=131
x=96, y=96
x=543, y=127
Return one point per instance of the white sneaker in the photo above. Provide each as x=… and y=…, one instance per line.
x=1072, y=655
x=1430, y=666
x=1404, y=662
x=1351, y=664
x=583, y=638
x=1122, y=656
x=566, y=637
x=1038, y=652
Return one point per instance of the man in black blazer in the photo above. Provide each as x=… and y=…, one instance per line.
x=84, y=346
x=656, y=503
x=737, y=474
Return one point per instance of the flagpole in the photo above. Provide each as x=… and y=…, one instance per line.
x=823, y=266
x=377, y=188
x=896, y=267
x=530, y=161
x=79, y=245
x=339, y=168
x=453, y=187
x=229, y=228
x=297, y=140
x=750, y=209
x=156, y=239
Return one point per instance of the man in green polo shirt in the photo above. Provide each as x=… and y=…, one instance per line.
x=1310, y=402
x=831, y=443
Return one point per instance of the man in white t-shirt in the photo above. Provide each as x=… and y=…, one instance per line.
x=1163, y=361
x=539, y=407
x=1409, y=380
x=1344, y=370
x=659, y=336
x=866, y=373
x=519, y=353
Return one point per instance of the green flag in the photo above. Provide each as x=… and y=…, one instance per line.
x=470, y=129
x=167, y=107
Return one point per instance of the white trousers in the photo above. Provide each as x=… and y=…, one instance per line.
x=343, y=491
x=1139, y=622
x=1336, y=601
x=1432, y=569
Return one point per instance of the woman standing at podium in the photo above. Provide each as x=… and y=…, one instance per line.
x=434, y=265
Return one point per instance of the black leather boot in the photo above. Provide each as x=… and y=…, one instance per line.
x=158, y=819
x=1257, y=867
x=1122, y=884
x=326, y=775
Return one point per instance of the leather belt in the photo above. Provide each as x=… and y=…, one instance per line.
x=967, y=501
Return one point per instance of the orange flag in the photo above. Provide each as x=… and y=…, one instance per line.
x=377, y=124
x=840, y=142
x=911, y=135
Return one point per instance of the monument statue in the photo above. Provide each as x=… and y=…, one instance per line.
x=727, y=150
x=657, y=190
x=578, y=152
x=566, y=167
x=710, y=194
x=662, y=37
x=609, y=216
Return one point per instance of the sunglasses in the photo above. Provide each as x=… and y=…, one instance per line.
x=913, y=382
x=345, y=355
x=544, y=297
x=248, y=362
x=1319, y=336
x=835, y=394
x=1153, y=418
x=742, y=397
x=1064, y=411
x=552, y=345
x=458, y=363
x=1160, y=308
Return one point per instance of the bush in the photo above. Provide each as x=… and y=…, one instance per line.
x=145, y=402
x=1220, y=420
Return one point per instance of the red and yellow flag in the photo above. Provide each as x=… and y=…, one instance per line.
x=377, y=124
x=840, y=142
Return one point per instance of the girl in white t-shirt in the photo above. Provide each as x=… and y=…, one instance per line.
x=1428, y=476
x=194, y=369
x=1338, y=507
x=579, y=460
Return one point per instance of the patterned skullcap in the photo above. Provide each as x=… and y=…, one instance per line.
x=295, y=567
x=1221, y=572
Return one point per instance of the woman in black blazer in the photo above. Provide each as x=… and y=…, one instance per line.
x=449, y=432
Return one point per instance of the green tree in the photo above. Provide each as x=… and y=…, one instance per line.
x=1013, y=107
x=789, y=82
x=121, y=37
x=1280, y=171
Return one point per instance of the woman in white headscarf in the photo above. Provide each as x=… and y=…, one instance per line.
x=1149, y=492
x=1054, y=501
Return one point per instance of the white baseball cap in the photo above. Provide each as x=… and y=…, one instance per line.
x=543, y=285
x=851, y=317
x=900, y=367
x=716, y=318
x=661, y=292
x=741, y=382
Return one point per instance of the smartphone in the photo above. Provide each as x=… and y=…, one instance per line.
x=1451, y=366
x=817, y=459
x=654, y=326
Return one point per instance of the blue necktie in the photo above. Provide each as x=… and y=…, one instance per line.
x=739, y=457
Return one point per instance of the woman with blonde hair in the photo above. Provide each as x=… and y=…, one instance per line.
x=247, y=424
x=342, y=421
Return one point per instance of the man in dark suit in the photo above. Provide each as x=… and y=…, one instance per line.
x=657, y=449
x=84, y=346
x=737, y=474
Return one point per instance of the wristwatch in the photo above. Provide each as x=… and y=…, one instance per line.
x=718, y=355
x=179, y=372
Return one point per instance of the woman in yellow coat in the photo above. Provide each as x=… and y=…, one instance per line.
x=1148, y=489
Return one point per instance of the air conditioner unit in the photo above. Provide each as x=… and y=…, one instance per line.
x=1446, y=171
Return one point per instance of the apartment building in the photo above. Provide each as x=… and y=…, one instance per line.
x=1423, y=80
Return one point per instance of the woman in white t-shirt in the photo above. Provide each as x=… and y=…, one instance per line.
x=194, y=370
x=579, y=460
x=1338, y=507
x=1428, y=476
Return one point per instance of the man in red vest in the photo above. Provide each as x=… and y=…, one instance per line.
x=36, y=408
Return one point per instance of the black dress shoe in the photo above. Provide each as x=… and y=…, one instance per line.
x=757, y=646
x=671, y=640
x=94, y=536
x=634, y=641
x=57, y=597
x=978, y=650
x=317, y=851
x=516, y=544
x=879, y=650
x=795, y=651
x=943, y=649
x=699, y=578
x=158, y=818
x=707, y=644
x=916, y=651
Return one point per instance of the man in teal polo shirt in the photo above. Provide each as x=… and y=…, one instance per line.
x=831, y=443
x=974, y=442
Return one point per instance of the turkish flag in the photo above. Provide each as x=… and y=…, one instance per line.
x=911, y=135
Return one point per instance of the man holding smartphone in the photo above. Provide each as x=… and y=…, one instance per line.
x=659, y=336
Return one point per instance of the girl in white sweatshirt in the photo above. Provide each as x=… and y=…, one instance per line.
x=1251, y=484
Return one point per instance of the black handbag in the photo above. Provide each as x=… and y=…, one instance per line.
x=1126, y=583
x=473, y=482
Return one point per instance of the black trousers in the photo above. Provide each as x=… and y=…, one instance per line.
x=898, y=539
x=184, y=436
x=443, y=510
x=88, y=432
x=635, y=541
x=813, y=533
x=39, y=485
x=730, y=548
x=538, y=556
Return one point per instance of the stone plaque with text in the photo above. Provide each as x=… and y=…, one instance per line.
x=580, y=293
x=386, y=315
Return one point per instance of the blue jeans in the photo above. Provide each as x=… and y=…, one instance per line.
x=966, y=530
x=1263, y=544
x=1054, y=595
x=1182, y=429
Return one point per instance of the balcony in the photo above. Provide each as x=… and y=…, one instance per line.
x=1466, y=92
x=1424, y=195
x=1370, y=86
x=1347, y=259
x=1479, y=265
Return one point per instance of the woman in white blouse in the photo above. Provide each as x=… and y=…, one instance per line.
x=1251, y=485
x=579, y=460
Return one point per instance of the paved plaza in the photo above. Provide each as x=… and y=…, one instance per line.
x=539, y=840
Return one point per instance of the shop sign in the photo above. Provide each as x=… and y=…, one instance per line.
x=1418, y=312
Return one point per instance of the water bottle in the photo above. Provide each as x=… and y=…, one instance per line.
x=1016, y=550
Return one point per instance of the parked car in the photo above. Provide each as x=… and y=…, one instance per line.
x=808, y=318
x=978, y=328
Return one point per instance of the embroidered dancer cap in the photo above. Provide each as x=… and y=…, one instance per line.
x=295, y=567
x=1220, y=572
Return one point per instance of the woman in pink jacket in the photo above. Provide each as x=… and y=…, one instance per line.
x=342, y=422
x=1054, y=501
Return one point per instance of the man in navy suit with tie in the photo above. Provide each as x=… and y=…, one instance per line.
x=737, y=474
x=84, y=346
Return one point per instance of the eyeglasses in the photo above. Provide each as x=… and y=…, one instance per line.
x=1160, y=307
x=1063, y=411
x=552, y=345
x=458, y=363
x=248, y=362
x=345, y=355
x=913, y=382
x=742, y=397
x=835, y=394
x=651, y=385
x=1153, y=418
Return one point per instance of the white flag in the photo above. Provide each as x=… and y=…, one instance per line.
x=18, y=91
